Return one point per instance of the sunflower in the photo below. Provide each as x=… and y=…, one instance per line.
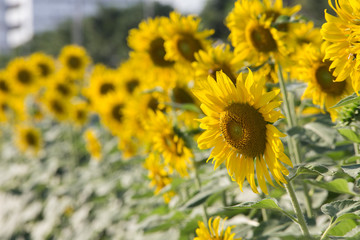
x=252, y=34
x=113, y=113
x=342, y=35
x=321, y=86
x=130, y=77
x=158, y=175
x=213, y=60
x=23, y=75
x=74, y=60
x=183, y=37
x=57, y=106
x=45, y=64
x=101, y=84
x=213, y=232
x=61, y=86
x=6, y=88
x=79, y=113
x=238, y=125
x=146, y=39
x=28, y=139
x=166, y=140
x=93, y=145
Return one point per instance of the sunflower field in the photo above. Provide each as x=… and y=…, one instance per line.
x=190, y=137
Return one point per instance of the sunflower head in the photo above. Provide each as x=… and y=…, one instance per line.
x=74, y=60
x=45, y=64
x=213, y=231
x=28, y=139
x=239, y=127
x=79, y=113
x=183, y=37
x=6, y=88
x=92, y=144
x=24, y=76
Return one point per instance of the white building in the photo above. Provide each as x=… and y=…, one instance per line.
x=16, y=23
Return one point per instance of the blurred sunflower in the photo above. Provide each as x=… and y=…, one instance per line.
x=130, y=77
x=93, y=145
x=45, y=64
x=213, y=60
x=79, y=113
x=147, y=40
x=23, y=75
x=61, y=86
x=113, y=113
x=28, y=139
x=74, y=60
x=102, y=84
x=158, y=175
x=238, y=126
x=212, y=232
x=321, y=86
x=183, y=38
x=252, y=32
x=57, y=106
x=168, y=142
x=6, y=89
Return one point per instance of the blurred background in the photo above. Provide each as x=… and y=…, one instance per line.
x=101, y=26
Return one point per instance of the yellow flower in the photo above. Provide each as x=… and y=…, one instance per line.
x=213, y=60
x=212, y=232
x=28, y=139
x=57, y=106
x=45, y=64
x=130, y=76
x=238, y=126
x=6, y=88
x=61, y=86
x=93, y=145
x=24, y=76
x=342, y=34
x=251, y=31
x=74, y=60
x=166, y=141
x=321, y=86
x=113, y=113
x=183, y=38
x=158, y=175
x=147, y=41
x=79, y=113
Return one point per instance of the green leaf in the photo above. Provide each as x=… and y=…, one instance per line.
x=295, y=131
x=343, y=227
x=352, y=159
x=338, y=185
x=349, y=134
x=352, y=170
x=311, y=169
x=338, y=208
x=322, y=130
x=263, y=204
x=347, y=100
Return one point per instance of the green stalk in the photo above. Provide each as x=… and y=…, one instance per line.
x=327, y=230
x=292, y=142
x=198, y=183
x=301, y=220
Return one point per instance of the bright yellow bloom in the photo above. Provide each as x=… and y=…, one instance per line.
x=57, y=106
x=6, y=88
x=321, y=86
x=28, y=139
x=79, y=113
x=212, y=232
x=183, y=38
x=238, y=126
x=74, y=60
x=213, y=60
x=24, y=76
x=166, y=141
x=61, y=86
x=158, y=175
x=45, y=64
x=93, y=145
x=343, y=35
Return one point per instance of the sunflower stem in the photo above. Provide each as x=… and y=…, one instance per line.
x=198, y=183
x=292, y=142
x=301, y=220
